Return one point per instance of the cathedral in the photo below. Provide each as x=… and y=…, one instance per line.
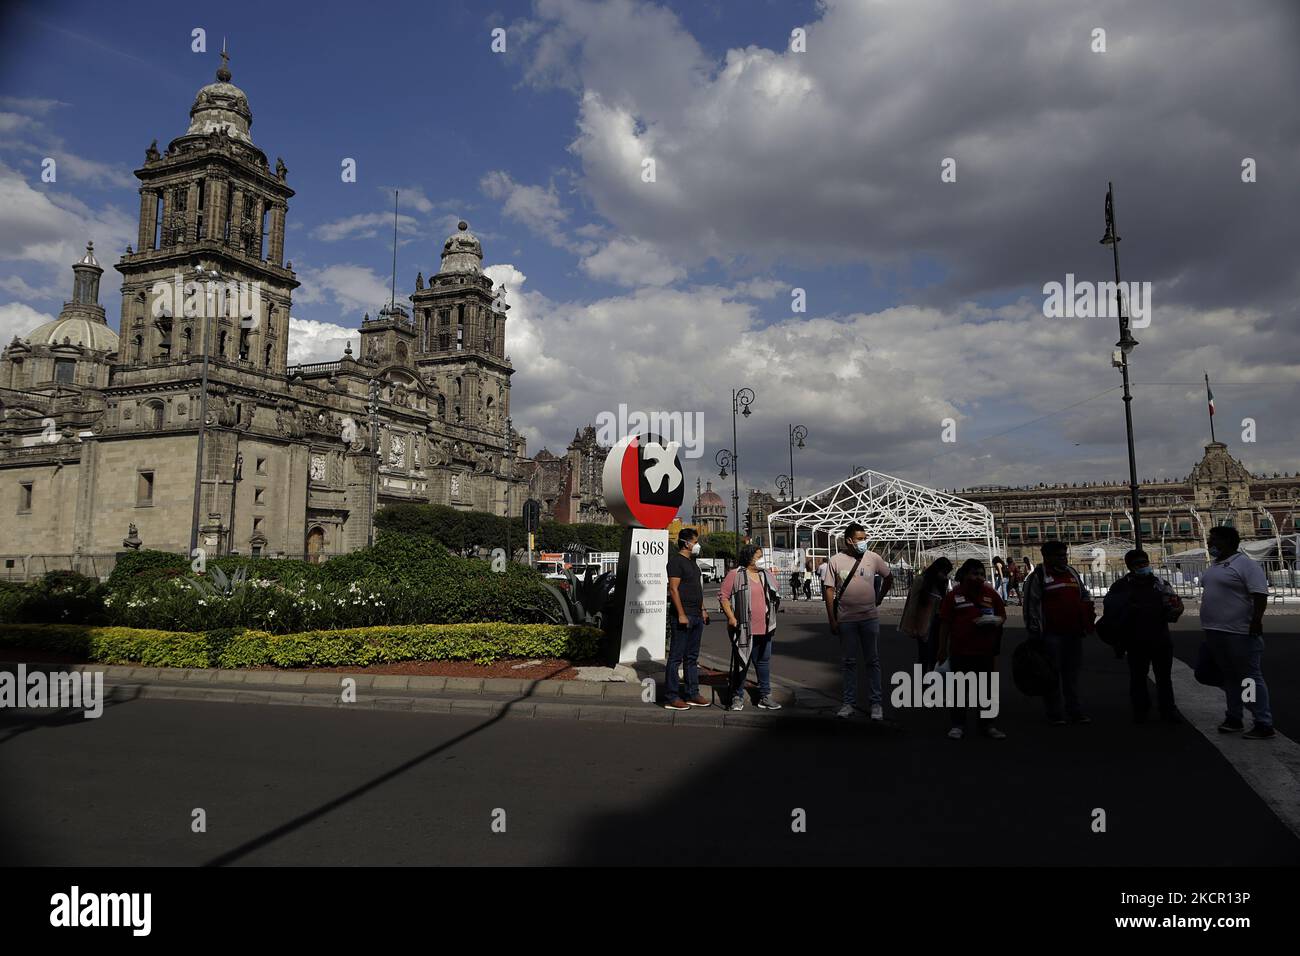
x=188, y=426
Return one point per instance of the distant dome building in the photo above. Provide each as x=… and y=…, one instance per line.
x=710, y=511
x=75, y=349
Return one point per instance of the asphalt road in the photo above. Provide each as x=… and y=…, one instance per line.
x=290, y=785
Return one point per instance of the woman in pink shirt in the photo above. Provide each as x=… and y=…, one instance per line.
x=751, y=622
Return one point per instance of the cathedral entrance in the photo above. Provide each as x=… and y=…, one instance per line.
x=315, y=545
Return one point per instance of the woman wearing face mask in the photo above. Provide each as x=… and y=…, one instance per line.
x=750, y=600
x=970, y=630
x=920, y=619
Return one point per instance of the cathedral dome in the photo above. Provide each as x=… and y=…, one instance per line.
x=78, y=331
x=709, y=499
x=222, y=106
x=462, y=252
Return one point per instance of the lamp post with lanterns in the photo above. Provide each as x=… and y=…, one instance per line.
x=1124, y=348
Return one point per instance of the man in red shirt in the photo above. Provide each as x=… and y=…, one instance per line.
x=1059, y=611
x=970, y=638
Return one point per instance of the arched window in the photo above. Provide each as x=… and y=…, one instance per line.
x=156, y=415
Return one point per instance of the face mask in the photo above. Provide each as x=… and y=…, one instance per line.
x=1215, y=553
x=695, y=549
x=1143, y=571
x=761, y=563
x=861, y=546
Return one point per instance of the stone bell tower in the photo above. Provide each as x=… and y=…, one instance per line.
x=210, y=202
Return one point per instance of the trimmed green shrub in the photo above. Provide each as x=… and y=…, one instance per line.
x=352, y=647
x=58, y=597
x=135, y=567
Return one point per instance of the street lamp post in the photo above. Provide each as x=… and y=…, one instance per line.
x=373, y=409
x=214, y=276
x=741, y=399
x=797, y=434
x=1126, y=344
x=510, y=453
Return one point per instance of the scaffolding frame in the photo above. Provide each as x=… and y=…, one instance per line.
x=892, y=510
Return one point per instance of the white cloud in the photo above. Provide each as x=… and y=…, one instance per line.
x=536, y=207
x=368, y=225
x=312, y=341
x=631, y=262
x=354, y=289
x=19, y=319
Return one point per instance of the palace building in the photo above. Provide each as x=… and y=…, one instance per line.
x=1175, y=512
x=104, y=435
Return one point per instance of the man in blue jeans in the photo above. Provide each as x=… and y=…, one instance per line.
x=849, y=589
x=1232, y=615
x=686, y=596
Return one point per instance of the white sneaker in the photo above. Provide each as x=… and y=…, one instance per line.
x=877, y=712
x=848, y=710
x=956, y=733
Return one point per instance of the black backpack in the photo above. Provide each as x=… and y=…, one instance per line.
x=1032, y=669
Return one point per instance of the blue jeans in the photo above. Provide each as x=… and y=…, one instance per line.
x=1066, y=652
x=1240, y=656
x=864, y=635
x=685, y=646
x=760, y=655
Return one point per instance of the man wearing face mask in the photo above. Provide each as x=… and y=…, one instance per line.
x=848, y=587
x=1232, y=613
x=1138, y=610
x=686, y=592
x=1058, y=609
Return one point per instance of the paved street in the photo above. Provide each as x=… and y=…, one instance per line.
x=316, y=786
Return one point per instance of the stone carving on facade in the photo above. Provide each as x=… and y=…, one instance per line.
x=483, y=463
x=281, y=170
x=151, y=155
x=416, y=442
x=132, y=539
x=348, y=431
x=455, y=486
x=397, y=451
x=317, y=467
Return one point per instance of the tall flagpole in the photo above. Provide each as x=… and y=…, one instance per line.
x=1209, y=397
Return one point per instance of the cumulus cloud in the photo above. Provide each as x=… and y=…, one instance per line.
x=19, y=319
x=353, y=289
x=631, y=262
x=536, y=207
x=313, y=341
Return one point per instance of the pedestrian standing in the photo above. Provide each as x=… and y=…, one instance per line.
x=750, y=600
x=920, y=619
x=795, y=585
x=970, y=639
x=1058, y=609
x=1233, y=602
x=1000, y=578
x=848, y=588
x=1137, y=612
x=686, y=593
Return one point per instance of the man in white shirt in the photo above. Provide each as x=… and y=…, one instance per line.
x=1232, y=615
x=853, y=618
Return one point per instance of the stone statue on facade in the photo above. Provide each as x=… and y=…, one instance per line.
x=132, y=539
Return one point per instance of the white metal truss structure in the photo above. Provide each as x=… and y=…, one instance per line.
x=892, y=511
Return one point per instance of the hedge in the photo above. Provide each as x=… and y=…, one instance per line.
x=351, y=647
x=460, y=530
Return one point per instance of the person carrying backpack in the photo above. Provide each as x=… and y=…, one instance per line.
x=1137, y=612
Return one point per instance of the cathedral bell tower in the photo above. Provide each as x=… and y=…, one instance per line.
x=460, y=338
x=211, y=212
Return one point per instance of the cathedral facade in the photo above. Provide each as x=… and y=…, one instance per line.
x=188, y=426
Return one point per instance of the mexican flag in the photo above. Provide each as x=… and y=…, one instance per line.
x=1209, y=395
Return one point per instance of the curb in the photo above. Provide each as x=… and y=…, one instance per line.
x=606, y=701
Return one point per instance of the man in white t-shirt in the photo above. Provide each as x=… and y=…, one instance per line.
x=851, y=575
x=1232, y=616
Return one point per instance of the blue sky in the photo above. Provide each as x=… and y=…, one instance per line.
x=778, y=170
